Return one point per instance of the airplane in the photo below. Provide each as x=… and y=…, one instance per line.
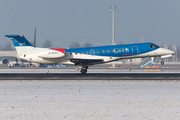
x=86, y=56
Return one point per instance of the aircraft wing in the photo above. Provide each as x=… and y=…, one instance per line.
x=86, y=61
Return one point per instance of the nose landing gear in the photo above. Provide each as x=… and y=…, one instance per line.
x=162, y=61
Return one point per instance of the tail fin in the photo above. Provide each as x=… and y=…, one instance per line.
x=19, y=40
x=22, y=45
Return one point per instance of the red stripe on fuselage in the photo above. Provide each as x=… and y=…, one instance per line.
x=127, y=54
x=60, y=50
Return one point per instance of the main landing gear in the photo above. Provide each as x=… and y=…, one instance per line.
x=84, y=69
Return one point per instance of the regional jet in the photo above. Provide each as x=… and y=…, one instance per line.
x=85, y=56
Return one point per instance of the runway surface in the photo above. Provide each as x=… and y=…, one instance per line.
x=92, y=74
x=89, y=76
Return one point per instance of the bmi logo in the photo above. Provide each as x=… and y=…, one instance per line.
x=21, y=44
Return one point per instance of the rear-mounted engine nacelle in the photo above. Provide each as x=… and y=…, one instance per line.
x=54, y=53
x=5, y=61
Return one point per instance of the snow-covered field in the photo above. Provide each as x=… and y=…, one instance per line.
x=89, y=100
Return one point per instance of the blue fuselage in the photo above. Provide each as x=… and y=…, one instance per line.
x=116, y=50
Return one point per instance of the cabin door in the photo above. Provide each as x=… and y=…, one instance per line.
x=135, y=50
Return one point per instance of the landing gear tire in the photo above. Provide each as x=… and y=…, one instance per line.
x=83, y=71
x=162, y=62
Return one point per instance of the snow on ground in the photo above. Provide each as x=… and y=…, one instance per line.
x=89, y=100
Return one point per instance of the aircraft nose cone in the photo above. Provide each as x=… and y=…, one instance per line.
x=164, y=51
x=170, y=51
x=167, y=51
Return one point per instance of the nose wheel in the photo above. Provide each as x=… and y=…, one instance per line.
x=162, y=61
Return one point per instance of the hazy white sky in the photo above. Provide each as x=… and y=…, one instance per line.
x=67, y=21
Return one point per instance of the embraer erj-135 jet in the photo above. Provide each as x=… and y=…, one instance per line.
x=85, y=56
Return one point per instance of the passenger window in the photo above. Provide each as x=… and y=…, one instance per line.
x=80, y=52
x=76, y=53
x=117, y=50
x=70, y=53
x=92, y=52
x=122, y=50
x=86, y=52
x=107, y=51
x=102, y=51
x=127, y=49
x=112, y=50
x=97, y=51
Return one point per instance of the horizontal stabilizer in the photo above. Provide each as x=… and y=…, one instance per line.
x=19, y=40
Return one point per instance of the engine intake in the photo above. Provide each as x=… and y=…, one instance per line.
x=5, y=61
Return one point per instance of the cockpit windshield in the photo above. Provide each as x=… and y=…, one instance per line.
x=154, y=46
